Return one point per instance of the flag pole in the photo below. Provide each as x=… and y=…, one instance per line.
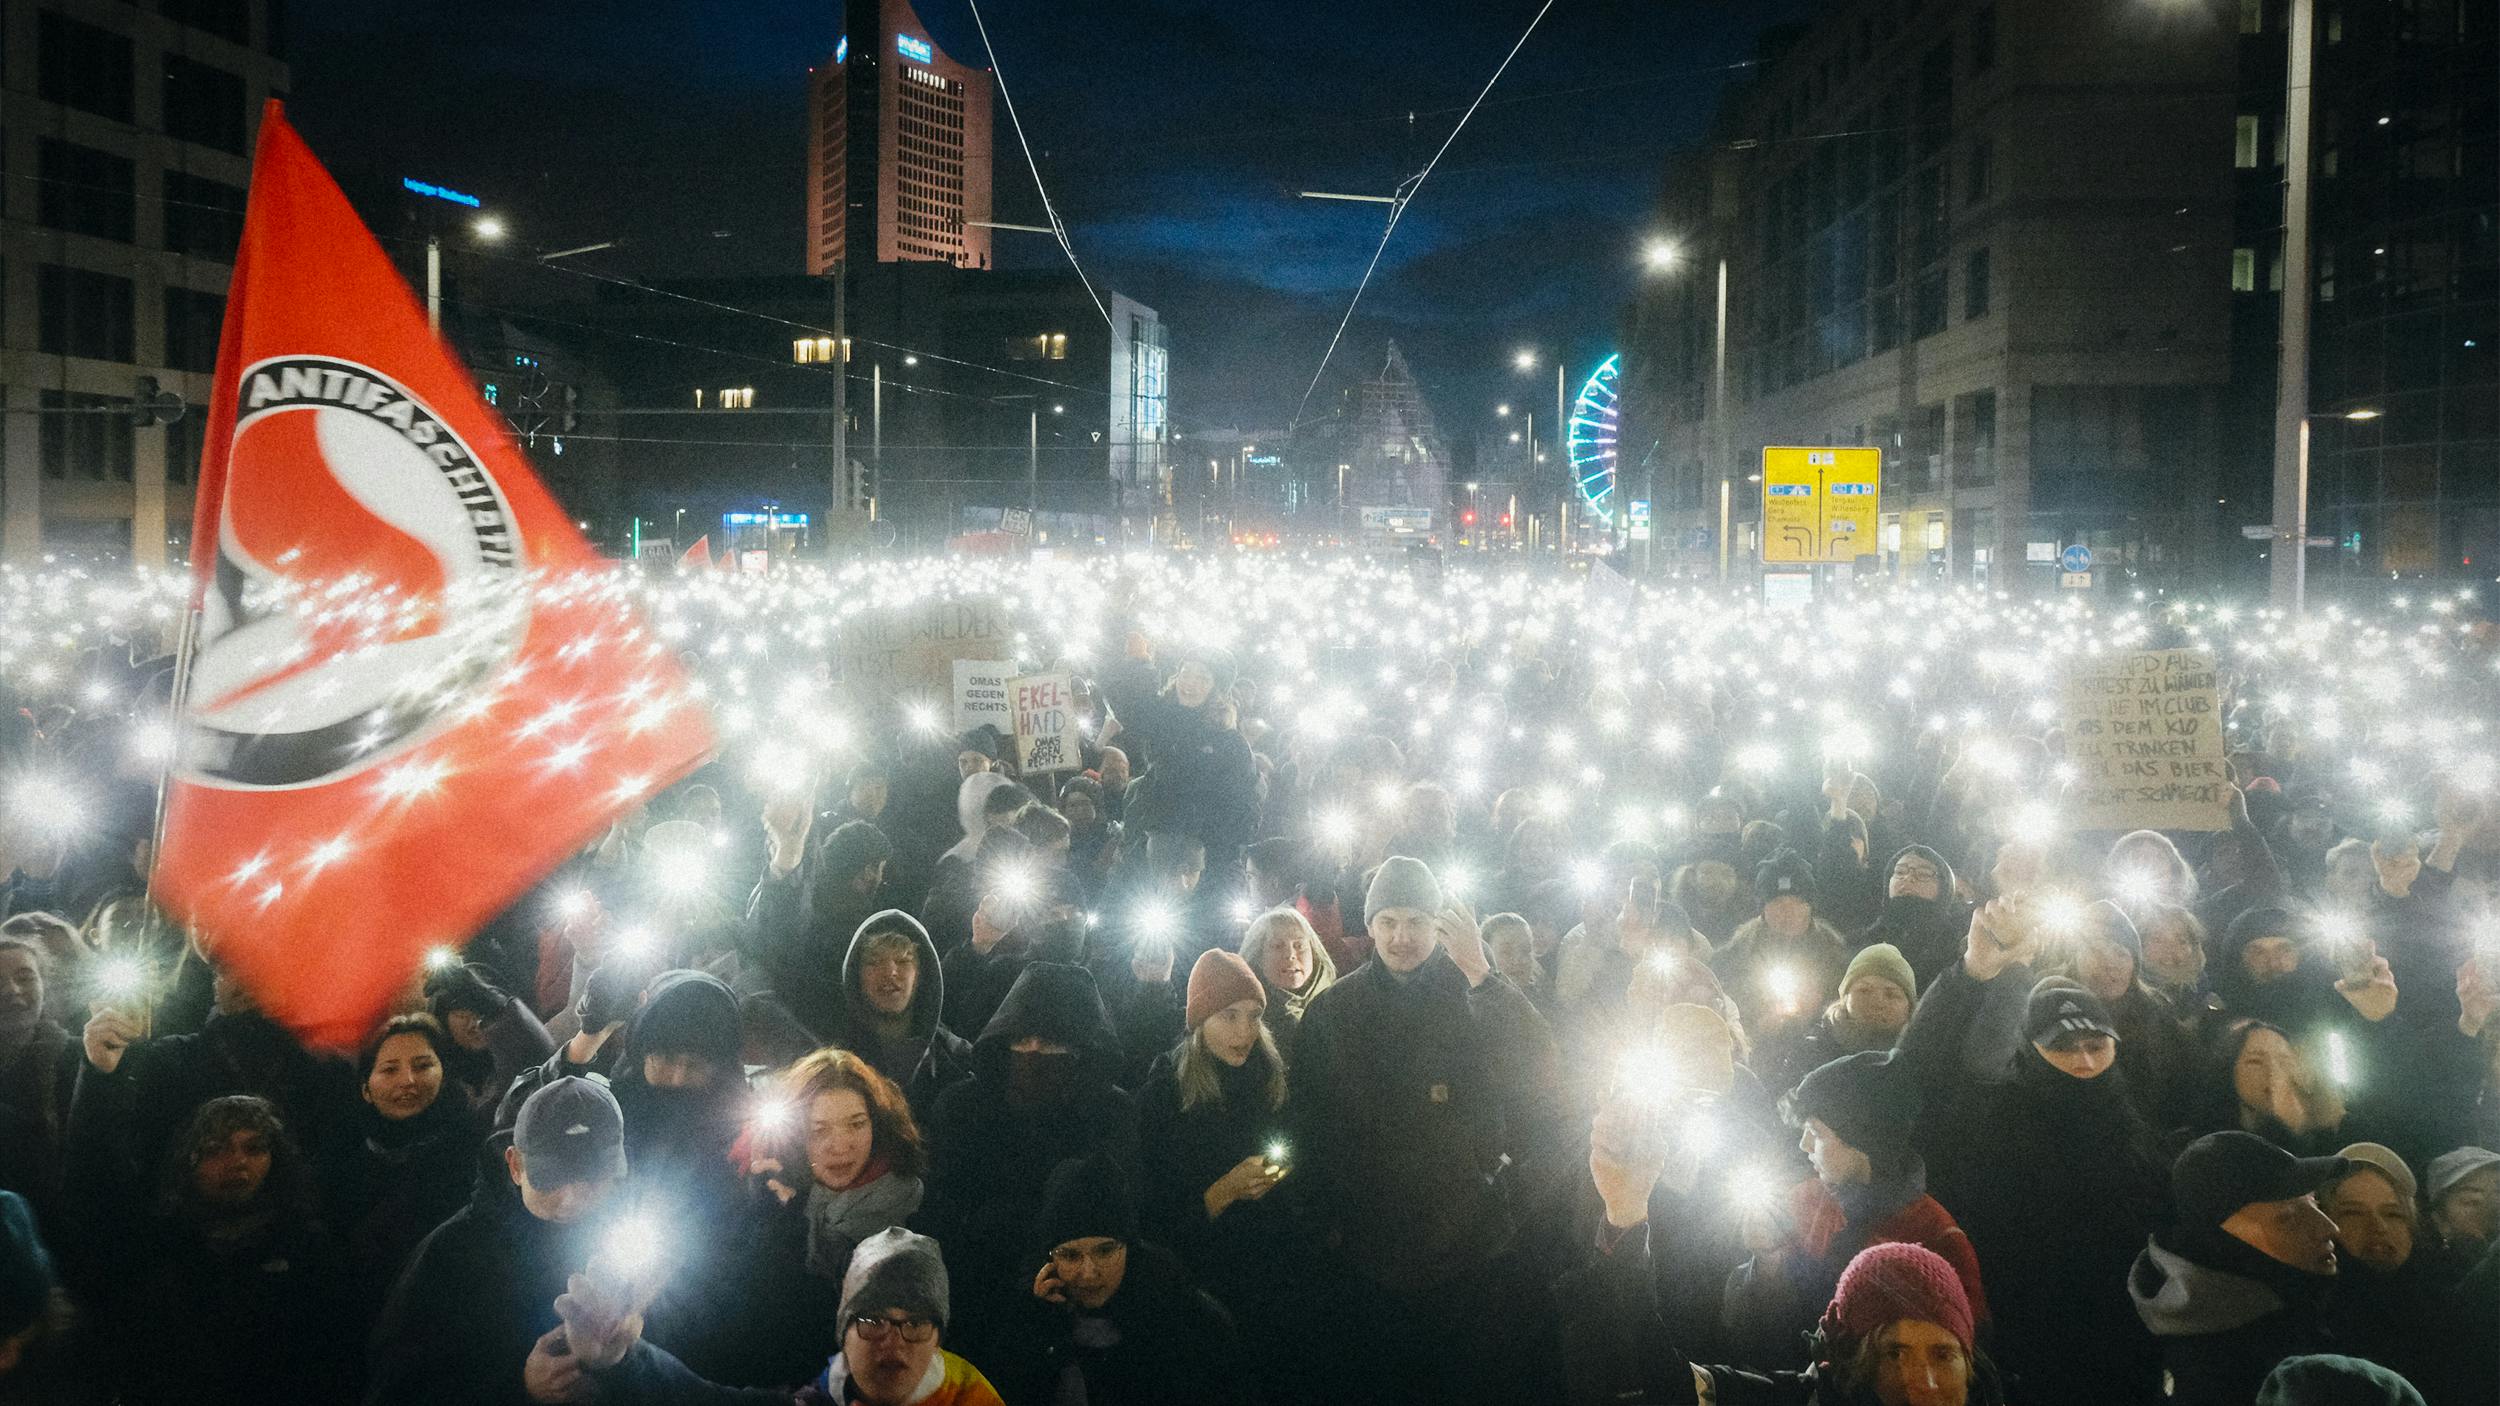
x=184, y=642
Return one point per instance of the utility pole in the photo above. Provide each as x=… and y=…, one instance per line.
x=1033, y=468
x=1718, y=415
x=876, y=420
x=2290, y=556
x=841, y=396
x=434, y=284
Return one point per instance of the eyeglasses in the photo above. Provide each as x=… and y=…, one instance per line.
x=876, y=1329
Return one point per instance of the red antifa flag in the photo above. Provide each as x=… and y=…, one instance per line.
x=415, y=690
x=700, y=554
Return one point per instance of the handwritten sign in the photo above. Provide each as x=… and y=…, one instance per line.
x=2144, y=732
x=981, y=694
x=884, y=655
x=1045, y=720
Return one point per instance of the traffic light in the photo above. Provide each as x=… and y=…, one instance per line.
x=1467, y=518
x=569, y=415
x=857, y=489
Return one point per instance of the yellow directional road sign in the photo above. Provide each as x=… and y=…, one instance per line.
x=1819, y=505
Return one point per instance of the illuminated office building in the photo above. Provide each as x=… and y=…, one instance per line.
x=899, y=130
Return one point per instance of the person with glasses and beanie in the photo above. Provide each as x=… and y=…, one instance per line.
x=894, y=1311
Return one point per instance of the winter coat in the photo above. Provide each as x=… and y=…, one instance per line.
x=2157, y=1054
x=1746, y=967
x=233, y=1315
x=930, y=1056
x=977, y=981
x=1617, y=1350
x=2410, y=1321
x=128, y=1118
x=478, y=1293
x=1197, y=776
x=1929, y=931
x=649, y=1376
x=1248, y=1255
x=992, y=1147
x=1159, y=1340
x=1772, y=1300
x=37, y=1084
x=2056, y=1180
x=1409, y=1094
x=2221, y=1330
x=784, y=1303
x=800, y=938
x=400, y=1180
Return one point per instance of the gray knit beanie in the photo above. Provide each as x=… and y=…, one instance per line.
x=895, y=1269
x=1401, y=882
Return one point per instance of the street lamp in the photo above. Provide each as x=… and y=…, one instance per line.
x=488, y=228
x=1661, y=254
x=2295, y=535
x=1525, y=359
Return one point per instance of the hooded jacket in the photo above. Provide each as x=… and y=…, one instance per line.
x=972, y=799
x=929, y=1056
x=678, y=1141
x=2222, y=1329
x=128, y=1118
x=994, y=1138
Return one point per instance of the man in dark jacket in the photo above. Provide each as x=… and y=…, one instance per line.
x=1417, y=1081
x=1112, y=1320
x=1777, y=967
x=803, y=916
x=481, y=1289
x=2235, y=1284
x=1040, y=1093
x=893, y=993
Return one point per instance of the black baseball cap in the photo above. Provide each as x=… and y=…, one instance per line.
x=2059, y=1014
x=2220, y=1173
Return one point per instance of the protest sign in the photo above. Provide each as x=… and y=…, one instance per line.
x=981, y=694
x=2144, y=733
x=888, y=654
x=1045, y=723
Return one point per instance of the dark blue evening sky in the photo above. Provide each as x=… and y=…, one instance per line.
x=1172, y=135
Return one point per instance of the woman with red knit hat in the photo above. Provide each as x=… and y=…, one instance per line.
x=1211, y=1140
x=1898, y=1332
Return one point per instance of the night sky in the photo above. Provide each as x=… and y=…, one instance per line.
x=1172, y=137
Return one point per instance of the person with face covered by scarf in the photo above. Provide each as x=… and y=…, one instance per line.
x=1041, y=1092
x=231, y=1292
x=1921, y=914
x=2050, y=1167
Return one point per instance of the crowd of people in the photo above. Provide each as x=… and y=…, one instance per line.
x=1418, y=989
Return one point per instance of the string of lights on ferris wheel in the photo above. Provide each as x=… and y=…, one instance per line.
x=1590, y=437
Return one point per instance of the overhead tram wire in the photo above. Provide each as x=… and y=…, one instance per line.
x=1405, y=196
x=1058, y=229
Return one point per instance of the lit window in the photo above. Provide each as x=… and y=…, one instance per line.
x=2244, y=144
x=698, y=399
x=2243, y=270
x=736, y=397
x=1935, y=532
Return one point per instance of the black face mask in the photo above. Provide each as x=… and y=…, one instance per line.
x=1038, y=1080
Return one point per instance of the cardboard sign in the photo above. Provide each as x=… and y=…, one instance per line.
x=2144, y=732
x=882, y=656
x=1045, y=723
x=981, y=694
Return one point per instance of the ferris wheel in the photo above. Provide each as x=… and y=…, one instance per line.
x=1590, y=438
